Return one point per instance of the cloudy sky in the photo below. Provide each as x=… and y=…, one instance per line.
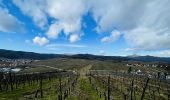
x=105, y=27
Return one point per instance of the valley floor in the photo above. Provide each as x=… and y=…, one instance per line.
x=82, y=87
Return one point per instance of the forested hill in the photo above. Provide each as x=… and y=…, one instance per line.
x=25, y=55
x=37, y=56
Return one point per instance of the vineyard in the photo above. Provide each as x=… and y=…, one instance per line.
x=130, y=87
x=85, y=82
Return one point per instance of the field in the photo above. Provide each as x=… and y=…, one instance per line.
x=82, y=79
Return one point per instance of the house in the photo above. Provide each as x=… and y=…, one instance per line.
x=168, y=77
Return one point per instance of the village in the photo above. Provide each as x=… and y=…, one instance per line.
x=158, y=74
x=7, y=65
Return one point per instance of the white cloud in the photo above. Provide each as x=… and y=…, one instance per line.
x=129, y=49
x=54, y=31
x=35, y=9
x=123, y=15
x=102, y=52
x=40, y=40
x=153, y=30
x=157, y=53
x=9, y=23
x=144, y=24
x=113, y=37
x=148, y=39
x=65, y=45
x=66, y=15
x=74, y=38
x=60, y=46
x=163, y=53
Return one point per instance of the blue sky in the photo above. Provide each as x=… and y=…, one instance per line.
x=102, y=27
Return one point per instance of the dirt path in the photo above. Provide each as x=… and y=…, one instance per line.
x=84, y=90
x=85, y=70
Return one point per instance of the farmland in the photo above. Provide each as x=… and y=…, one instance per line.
x=84, y=79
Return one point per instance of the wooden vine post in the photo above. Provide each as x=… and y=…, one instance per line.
x=60, y=95
x=108, y=88
x=131, y=92
x=143, y=92
x=41, y=91
x=10, y=79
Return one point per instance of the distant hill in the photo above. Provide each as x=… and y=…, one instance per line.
x=37, y=56
x=128, y=58
x=25, y=55
x=99, y=57
x=150, y=59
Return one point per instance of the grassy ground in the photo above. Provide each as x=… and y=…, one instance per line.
x=83, y=90
x=26, y=92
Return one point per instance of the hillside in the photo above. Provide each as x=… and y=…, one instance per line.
x=25, y=55
x=37, y=56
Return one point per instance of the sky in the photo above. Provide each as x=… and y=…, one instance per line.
x=100, y=27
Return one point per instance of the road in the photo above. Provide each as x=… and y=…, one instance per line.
x=49, y=67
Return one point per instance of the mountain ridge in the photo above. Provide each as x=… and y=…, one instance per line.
x=10, y=54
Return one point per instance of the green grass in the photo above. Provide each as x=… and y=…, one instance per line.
x=86, y=90
x=20, y=92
